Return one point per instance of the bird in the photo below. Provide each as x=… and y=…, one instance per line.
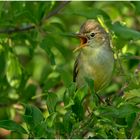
x=95, y=59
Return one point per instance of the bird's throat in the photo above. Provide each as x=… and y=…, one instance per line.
x=83, y=40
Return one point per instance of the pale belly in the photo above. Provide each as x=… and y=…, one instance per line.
x=97, y=66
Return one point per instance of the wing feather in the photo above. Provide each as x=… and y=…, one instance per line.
x=75, y=70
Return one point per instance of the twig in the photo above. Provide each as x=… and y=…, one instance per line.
x=57, y=10
x=16, y=29
x=121, y=91
x=31, y=26
x=135, y=57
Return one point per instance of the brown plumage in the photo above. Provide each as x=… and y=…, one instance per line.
x=95, y=59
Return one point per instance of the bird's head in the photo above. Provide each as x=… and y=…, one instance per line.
x=92, y=34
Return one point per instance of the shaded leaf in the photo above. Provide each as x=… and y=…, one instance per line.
x=51, y=102
x=124, y=32
x=79, y=97
x=127, y=109
x=33, y=115
x=90, y=83
x=92, y=14
x=68, y=121
x=11, y=125
x=81, y=93
x=109, y=111
x=40, y=130
x=2, y=63
x=46, y=44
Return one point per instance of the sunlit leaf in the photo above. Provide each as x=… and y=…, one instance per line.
x=132, y=93
x=50, y=120
x=14, y=71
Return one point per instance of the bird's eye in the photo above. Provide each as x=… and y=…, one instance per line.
x=92, y=34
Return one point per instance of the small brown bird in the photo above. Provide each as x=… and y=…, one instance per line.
x=95, y=59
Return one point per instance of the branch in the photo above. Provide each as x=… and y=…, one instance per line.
x=16, y=29
x=57, y=10
x=31, y=26
x=135, y=57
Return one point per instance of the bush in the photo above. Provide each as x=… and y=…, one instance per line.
x=38, y=98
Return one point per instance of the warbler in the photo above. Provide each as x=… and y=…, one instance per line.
x=95, y=59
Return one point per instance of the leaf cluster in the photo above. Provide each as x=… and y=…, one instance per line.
x=37, y=96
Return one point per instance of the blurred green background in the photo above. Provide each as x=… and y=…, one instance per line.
x=36, y=66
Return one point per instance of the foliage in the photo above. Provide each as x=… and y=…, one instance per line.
x=37, y=96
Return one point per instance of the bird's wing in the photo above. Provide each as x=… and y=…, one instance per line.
x=75, y=70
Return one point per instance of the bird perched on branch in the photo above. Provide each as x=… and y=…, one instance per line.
x=95, y=59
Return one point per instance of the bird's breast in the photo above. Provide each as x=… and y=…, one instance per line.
x=95, y=63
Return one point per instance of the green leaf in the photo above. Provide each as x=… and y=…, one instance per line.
x=51, y=102
x=51, y=82
x=130, y=120
x=79, y=97
x=90, y=83
x=11, y=125
x=50, y=120
x=43, y=9
x=29, y=120
x=81, y=93
x=137, y=6
x=33, y=115
x=132, y=94
x=127, y=109
x=124, y=32
x=109, y=111
x=101, y=134
x=70, y=103
x=69, y=95
x=68, y=121
x=71, y=89
x=28, y=92
x=46, y=44
x=120, y=112
x=40, y=130
x=14, y=71
x=92, y=14
x=65, y=77
x=1, y=8
x=122, y=134
x=2, y=62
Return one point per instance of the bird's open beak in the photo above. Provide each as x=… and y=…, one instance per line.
x=83, y=41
